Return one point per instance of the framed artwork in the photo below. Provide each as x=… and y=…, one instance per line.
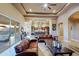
x=53, y=27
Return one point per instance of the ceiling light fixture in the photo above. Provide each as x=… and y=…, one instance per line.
x=30, y=10
x=54, y=11
x=45, y=5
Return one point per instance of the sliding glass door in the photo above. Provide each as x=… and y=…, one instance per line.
x=9, y=33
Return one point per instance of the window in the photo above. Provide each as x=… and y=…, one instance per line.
x=9, y=33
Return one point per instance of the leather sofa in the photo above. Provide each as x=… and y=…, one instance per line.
x=45, y=37
x=27, y=48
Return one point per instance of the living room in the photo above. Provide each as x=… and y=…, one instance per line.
x=43, y=29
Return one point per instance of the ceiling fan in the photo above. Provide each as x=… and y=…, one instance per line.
x=50, y=5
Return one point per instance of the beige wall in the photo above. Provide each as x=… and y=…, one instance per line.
x=64, y=19
x=8, y=10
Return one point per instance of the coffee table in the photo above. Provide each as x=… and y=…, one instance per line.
x=63, y=51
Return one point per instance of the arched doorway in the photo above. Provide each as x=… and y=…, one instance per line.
x=73, y=27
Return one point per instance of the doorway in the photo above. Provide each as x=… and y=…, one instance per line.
x=74, y=27
x=61, y=31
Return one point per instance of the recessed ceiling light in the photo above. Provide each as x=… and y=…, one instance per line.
x=54, y=11
x=30, y=10
x=45, y=5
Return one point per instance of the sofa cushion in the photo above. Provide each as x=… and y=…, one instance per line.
x=31, y=50
x=22, y=46
x=18, y=49
x=33, y=44
x=25, y=44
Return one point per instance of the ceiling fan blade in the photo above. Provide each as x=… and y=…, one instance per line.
x=49, y=7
